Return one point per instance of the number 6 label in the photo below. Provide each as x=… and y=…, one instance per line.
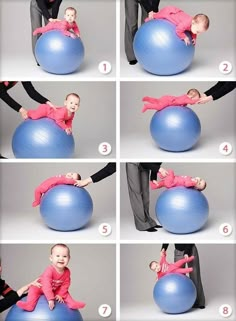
x=225, y=229
x=104, y=310
x=225, y=310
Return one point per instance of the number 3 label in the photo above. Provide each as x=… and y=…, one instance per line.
x=225, y=67
x=104, y=310
x=225, y=310
x=104, y=148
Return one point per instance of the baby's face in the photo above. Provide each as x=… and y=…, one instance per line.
x=60, y=257
x=197, y=28
x=201, y=183
x=155, y=267
x=72, y=176
x=72, y=103
x=70, y=16
x=193, y=95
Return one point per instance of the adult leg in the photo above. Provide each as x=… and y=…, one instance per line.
x=195, y=276
x=138, y=201
x=131, y=26
x=36, y=21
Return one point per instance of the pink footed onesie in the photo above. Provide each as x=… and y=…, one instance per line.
x=49, y=183
x=179, y=18
x=172, y=181
x=165, y=101
x=62, y=26
x=167, y=268
x=59, y=115
x=53, y=283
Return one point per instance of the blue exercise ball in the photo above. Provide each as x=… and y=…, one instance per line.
x=61, y=312
x=174, y=293
x=175, y=128
x=42, y=138
x=182, y=210
x=66, y=208
x=59, y=54
x=159, y=50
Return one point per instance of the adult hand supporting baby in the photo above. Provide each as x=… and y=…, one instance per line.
x=83, y=182
x=205, y=99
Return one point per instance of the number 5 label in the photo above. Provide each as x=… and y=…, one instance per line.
x=105, y=229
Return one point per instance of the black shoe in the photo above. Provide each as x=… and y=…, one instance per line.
x=151, y=229
x=196, y=306
x=38, y=64
x=158, y=226
x=2, y=157
x=133, y=62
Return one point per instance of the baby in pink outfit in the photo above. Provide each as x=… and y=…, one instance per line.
x=183, y=22
x=64, y=26
x=68, y=179
x=63, y=116
x=55, y=282
x=191, y=98
x=168, y=180
x=163, y=267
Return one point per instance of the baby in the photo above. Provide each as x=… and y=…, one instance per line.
x=63, y=116
x=184, y=22
x=68, y=179
x=64, y=26
x=168, y=180
x=163, y=267
x=55, y=282
x=192, y=97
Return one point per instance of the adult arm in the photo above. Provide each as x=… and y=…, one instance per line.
x=42, y=4
x=153, y=167
x=164, y=246
x=33, y=93
x=150, y=5
x=220, y=89
x=10, y=296
x=108, y=170
x=8, y=99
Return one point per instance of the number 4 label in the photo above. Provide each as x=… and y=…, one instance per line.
x=225, y=148
x=104, y=310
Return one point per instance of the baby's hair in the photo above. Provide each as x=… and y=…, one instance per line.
x=202, y=18
x=150, y=265
x=72, y=9
x=73, y=94
x=78, y=176
x=204, y=187
x=195, y=91
x=60, y=245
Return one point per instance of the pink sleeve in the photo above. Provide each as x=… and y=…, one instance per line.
x=64, y=28
x=60, y=118
x=69, y=121
x=188, y=182
x=169, y=179
x=76, y=28
x=180, y=29
x=46, y=281
x=65, y=285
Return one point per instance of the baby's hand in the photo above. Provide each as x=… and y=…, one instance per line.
x=73, y=36
x=23, y=113
x=68, y=131
x=59, y=299
x=187, y=41
x=194, y=42
x=51, y=304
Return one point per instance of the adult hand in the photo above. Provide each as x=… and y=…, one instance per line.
x=23, y=113
x=163, y=172
x=163, y=251
x=205, y=99
x=186, y=256
x=53, y=20
x=51, y=105
x=59, y=299
x=36, y=283
x=51, y=304
x=150, y=15
x=83, y=182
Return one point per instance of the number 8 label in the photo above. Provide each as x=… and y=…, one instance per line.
x=225, y=310
x=104, y=310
